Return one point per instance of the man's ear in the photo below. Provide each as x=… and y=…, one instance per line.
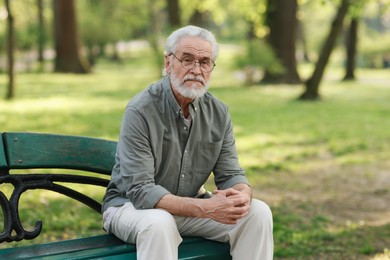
x=167, y=63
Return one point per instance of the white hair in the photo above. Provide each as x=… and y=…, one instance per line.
x=191, y=31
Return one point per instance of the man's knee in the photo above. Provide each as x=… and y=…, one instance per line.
x=158, y=220
x=158, y=223
x=128, y=224
x=261, y=212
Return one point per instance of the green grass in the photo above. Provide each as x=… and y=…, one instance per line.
x=322, y=166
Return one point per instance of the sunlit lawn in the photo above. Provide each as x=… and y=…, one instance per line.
x=286, y=146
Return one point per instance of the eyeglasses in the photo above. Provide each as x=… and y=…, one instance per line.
x=188, y=62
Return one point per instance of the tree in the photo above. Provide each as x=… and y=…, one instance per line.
x=282, y=22
x=154, y=33
x=200, y=18
x=351, y=39
x=41, y=32
x=173, y=7
x=312, y=84
x=68, y=56
x=10, y=52
x=206, y=13
x=351, y=49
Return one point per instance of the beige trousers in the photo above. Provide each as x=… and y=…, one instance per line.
x=157, y=234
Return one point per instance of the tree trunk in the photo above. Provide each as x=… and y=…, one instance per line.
x=312, y=84
x=173, y=7
x=10, y=53
x=154, y=35
x=42, y=34
x=68, y=57
x=282, y=22
x=351, y=47
x=200, y=18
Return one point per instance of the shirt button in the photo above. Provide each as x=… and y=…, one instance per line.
x=185, y=128
x=186, y=151
x=182, y=175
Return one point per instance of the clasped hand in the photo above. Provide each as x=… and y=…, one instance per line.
x=227, y=206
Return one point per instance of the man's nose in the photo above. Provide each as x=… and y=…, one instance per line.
x=196, y=68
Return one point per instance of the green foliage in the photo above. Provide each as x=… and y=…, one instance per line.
x=252, y=12
x=26, y=23
x=213, y=6
x=373, y=50
x=357, y=8
x=258, y=56
x=104, y=22
x=110, y=22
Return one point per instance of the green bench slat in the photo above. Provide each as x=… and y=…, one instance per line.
x=36, y=150
x=65, y=249
x=3, y=160
x=109, y=247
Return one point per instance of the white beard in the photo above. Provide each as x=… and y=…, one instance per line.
x=192, y=91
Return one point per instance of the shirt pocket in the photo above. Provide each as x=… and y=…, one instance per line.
x=207, y=156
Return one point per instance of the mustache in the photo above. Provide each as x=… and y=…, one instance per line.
x=197, y=78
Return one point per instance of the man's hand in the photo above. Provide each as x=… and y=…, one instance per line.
x=227, y=206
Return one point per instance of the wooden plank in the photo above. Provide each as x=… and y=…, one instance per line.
x=109, y=247
x=37, y=150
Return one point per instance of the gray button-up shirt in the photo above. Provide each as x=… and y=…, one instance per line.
x=158, y=154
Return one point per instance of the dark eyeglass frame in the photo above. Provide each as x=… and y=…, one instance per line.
x=194, y=62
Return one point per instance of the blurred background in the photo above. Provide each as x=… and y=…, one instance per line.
x=274, y=37
x=307, y=83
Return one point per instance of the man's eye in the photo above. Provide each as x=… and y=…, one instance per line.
x=188, y=59
x=206, y=62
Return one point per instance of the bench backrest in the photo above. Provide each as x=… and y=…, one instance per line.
x=21, y=152
x=27, y=151
x=35, y=150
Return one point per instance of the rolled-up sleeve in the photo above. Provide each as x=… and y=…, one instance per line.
x=227, y=170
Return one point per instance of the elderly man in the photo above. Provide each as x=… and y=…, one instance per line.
x=174, y=134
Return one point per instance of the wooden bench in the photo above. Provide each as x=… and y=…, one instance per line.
x=20, y=153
